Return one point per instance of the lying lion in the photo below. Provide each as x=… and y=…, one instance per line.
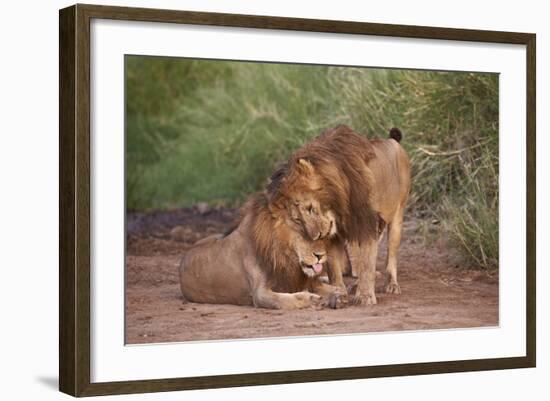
x=265, y=261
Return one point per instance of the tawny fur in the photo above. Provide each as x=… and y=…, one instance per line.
x=364, y=184
x=260, y=262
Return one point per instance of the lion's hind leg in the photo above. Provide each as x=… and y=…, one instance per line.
x=394, y=239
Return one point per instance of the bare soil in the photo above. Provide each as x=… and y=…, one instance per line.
x=438, y=290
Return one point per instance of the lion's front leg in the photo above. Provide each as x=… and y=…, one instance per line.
x=264, y=297
x=337, y=259
x=364, y=258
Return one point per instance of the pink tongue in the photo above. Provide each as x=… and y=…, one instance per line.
x=317, y=267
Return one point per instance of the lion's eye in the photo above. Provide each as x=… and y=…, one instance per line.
x=310, y=209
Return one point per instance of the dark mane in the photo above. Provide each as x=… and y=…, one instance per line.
x=339, y=157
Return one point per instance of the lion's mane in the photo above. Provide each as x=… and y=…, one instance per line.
x=273, y=238
x=339, y=156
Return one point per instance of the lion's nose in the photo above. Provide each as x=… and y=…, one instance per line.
x=319, y=255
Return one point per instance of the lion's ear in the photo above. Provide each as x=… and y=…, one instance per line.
x=306, y=166
x=275, y=181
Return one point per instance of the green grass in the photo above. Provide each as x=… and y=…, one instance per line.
x=213, y=131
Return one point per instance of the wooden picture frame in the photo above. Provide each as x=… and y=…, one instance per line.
x=74, y=203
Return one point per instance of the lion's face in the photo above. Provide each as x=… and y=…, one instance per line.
x=309, y=214
x=306, y=202
x=312, y=255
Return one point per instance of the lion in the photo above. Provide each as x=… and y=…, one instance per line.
x=355, y=187
x=265, y=261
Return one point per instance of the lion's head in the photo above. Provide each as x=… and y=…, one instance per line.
x=303, y=197
x=326, y=187
x=289, y=257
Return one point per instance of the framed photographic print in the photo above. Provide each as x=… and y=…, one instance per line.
x=250, y=200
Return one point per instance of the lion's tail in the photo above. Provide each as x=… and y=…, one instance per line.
x=395, y=133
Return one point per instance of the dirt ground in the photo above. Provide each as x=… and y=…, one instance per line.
x=437, y=291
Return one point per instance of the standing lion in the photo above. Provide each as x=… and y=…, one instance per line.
x=357, y=187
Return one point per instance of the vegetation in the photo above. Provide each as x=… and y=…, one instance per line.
x=212, y=131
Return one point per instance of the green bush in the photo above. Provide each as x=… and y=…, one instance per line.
x=213, y=131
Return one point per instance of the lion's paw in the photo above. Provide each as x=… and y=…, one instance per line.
x=361, y=299
x=393, y=288
x=306, y=299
